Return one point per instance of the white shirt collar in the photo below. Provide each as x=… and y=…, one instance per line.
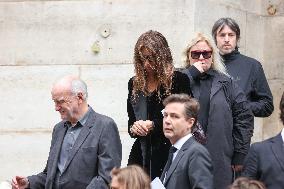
x=282, y=134
x=181, y=141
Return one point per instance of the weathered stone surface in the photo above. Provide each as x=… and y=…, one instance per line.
x=26, y=96
x=272, y=124
x=25, y=153
x=63, y=32
x=108, y=90
x=42, y=40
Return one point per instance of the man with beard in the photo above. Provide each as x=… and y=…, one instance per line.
x=246, y=71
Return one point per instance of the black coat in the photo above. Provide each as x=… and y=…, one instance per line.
x=230, y=126
x=249, y=75
x=265, y=162
x=157, y=145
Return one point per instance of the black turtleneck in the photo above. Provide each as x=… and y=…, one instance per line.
x=249, y=75
x=205, y=81
x=231, y=56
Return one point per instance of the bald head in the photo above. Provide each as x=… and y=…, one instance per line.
x=70, y=97
x=71, y=84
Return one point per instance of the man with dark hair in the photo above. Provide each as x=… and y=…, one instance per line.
x=265, y=160
x=189, y=163
x=246, y=71
x=85, y=145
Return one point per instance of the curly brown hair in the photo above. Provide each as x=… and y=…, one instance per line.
x=281, y=106
x=157, y=44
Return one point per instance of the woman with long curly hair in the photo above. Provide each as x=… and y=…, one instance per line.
x=154, y=80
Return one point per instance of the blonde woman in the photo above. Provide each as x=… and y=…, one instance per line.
x=224, y=112
x=130, y=177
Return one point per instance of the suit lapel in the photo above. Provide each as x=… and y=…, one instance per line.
x=278, y=149
x=57, y=148
x=81, y=138
x=180, y=154
x=216, y=86
x=194, y=85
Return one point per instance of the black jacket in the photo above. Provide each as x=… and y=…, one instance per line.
x=230, y=125
x=157, y=145
x=249, y=75
x=265, y=162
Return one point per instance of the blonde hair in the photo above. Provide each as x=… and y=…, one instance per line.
x=132, y=177
x=217, y=62
x=246, y=183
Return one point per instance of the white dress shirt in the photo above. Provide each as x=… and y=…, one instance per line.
x=179, y=143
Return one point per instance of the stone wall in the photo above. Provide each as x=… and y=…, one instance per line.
x=44, y=40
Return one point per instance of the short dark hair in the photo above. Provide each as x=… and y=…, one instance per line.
x=221, y=23
x=191, y=105
x=281, y=106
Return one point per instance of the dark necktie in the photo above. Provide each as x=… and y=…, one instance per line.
x=170, y=158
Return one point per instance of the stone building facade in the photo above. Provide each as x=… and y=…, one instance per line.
x=42, y=40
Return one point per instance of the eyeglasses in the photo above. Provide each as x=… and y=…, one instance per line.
x=196, y=54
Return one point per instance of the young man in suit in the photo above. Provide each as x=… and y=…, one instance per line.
x=189, y=163
x=265, y=160
x=85, y=145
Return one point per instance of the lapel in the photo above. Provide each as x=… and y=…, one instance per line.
x=81, y=138
x=195, y=86
x=216, y=84
x=218, y=79
x=180, y=154
x=278, y=149
x=57, y=147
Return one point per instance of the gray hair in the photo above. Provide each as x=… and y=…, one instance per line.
x=217, y=63
x=221, y=23
x=79, y=86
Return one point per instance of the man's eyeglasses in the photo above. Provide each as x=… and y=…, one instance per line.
x=196, y=54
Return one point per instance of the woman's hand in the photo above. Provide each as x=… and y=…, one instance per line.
x=141, y=128
x=200, y=66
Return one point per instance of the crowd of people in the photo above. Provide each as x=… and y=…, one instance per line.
x=192, y=127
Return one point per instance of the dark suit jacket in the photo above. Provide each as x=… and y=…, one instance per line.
x=265, y=162
x=96, y=151
x=191, y=168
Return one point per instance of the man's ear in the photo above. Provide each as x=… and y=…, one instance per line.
x=80, y=96
x=191, y=121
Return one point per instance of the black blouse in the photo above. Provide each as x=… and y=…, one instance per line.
x=157, y=145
